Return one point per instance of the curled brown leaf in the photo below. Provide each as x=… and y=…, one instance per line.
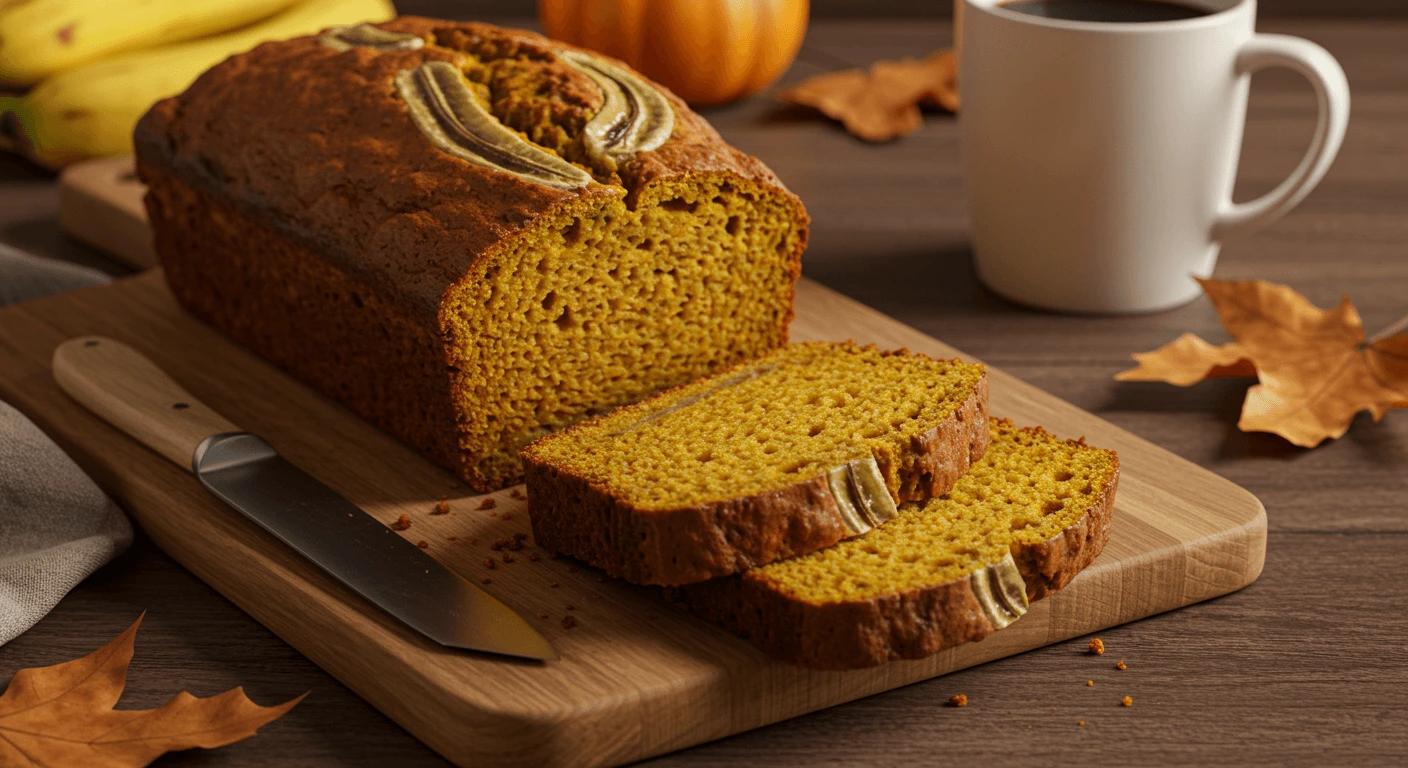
x=882, y=103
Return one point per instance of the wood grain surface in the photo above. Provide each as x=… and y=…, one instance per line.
x=1304, y=667
x=637, y=677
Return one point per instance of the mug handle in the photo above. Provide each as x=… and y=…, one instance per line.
x=1332, y=94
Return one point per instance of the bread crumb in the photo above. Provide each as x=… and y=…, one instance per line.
x=508, y=558
x=1127, y=701
x=554, y=584
x=473, y=539
x=1120, y=665
x=442, y=507
x=1097, y=646
x=1081, y=723
x=570, y=607
x=601, y=579
x=488, y=581
x=958, y=700
x=516, y=494
x=452, y=538
x=1053, y=709
x=569, y=622
x=533, y=557
x=593, y=596
x=423, y=544
x=542, y=615
x=488, y=503
x=454, y=485
x=444, y=496
x=402, y=523
x=490, y=564
x=1089, y=683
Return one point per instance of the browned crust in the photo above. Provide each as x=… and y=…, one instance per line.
x=909, y=625
x=330, y=159
x=698, y=543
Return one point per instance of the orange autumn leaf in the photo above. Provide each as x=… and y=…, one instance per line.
x=63, y=715
x=1188, y=360
x=1316, y=368
x=882, y=103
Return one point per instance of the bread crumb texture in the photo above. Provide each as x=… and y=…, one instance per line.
x=1027, y=488
x=787, y=417
x=958, y=700
x=1097, y=646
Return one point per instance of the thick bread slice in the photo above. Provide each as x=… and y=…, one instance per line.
x=781, y=456
x=1029, y=516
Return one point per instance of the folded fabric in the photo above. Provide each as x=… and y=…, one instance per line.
x=24, y=277
x=56, y=527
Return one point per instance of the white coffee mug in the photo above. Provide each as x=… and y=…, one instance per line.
x=1100, y=157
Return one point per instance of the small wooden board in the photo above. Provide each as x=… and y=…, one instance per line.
x=100, y=203
x=637, y=677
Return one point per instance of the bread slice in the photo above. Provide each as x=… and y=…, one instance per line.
x=1031, y=514
x=777, y=457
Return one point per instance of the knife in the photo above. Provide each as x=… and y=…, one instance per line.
x=129, y=391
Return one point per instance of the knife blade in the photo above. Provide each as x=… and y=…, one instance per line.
x=120, y=385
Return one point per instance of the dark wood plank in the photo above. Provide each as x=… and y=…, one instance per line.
x=1304, y=667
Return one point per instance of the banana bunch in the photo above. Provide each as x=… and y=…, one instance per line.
x=103, y=63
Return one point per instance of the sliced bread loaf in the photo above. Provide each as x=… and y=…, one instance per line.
x=780, y=456
x=1031, y=514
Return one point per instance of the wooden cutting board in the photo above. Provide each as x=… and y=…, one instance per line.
x=637, y=677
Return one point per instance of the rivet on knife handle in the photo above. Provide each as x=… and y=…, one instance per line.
x=119, y=384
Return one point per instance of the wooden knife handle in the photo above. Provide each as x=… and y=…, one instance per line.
x=129, y=391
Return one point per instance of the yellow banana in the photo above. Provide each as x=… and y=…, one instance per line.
x=91, y=111
x=42, y=37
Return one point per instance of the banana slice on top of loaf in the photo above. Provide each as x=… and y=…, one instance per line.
x=1032, y=513
x=783, y=455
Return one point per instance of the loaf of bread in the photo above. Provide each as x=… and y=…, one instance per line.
x=1032, y=513
x=776, y=457
x=470, y=236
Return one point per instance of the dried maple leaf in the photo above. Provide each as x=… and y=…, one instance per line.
x=882, y=103
x=63, y=715
x=1316, y=368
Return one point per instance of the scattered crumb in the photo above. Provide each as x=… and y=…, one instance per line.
x=593, y=596
x=452, y=538
x=1097, y=646
x=442, y=507
x=492, y=514
x=1082, y=722
x=454, y=485
x=571, y=569
x=516, y=494
x=542, y=615
x=518, y=539
x=423, y=544
x=444, y=497
x=490, y=564
x=1053, y=709
x=508, y=558
x=473, y=539
x=601, y=579
x=570, y=607
x=554, y=584
x=1127, y=701
x=488, y=581
x=507, y=516
x=1120, y=665
x=958, y=700
x=488, y=503
x=569, y=622
x=402, y=523
x=533, y=557
x=1029, y=727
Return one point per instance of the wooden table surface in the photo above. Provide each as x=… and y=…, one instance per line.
x=1306, y=666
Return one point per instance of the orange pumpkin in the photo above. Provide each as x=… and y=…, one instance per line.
x=707, y=51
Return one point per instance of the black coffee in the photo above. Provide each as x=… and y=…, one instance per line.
x=1106, y=10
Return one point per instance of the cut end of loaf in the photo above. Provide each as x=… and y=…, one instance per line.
x=603, y=304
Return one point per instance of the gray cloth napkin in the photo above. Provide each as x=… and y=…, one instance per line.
x=56, y=527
